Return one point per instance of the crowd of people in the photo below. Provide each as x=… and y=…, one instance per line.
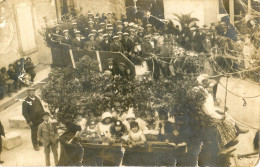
x=20, y=73
x=143, y=41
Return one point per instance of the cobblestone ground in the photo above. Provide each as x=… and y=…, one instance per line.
x=24, y=155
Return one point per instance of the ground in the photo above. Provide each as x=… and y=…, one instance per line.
x=248, y=115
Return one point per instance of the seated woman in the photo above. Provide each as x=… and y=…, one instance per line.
x=91, y=133
x=118, y=132
x=227, y=128
x=104, y=125
x=136, y=136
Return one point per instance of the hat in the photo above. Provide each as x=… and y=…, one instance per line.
x=202, y=77
x=102, y=23
x=74, y=23
x=125, y=34
x=110, y=28
x=96, y=17
x=119, y=32
x=119, y=21
x=65, y=31
x=115, y=37
x=109, y=25
x=130, y=115
x=45, y=113
x=77, y=32
x=149, y=25
x=31, y=89
x=121, y=63
x=91, y=22
x=118, y=123
x=131, y=24
x=109, y=12
x=94, y=31
x=105, y=35
x=133, y=124
x=132, y=30
x=140, y=28
x=135, y=26
x=106, y=115
x=99, y=31
x=147, y=36
x=90, y=35
x=92, y=122
x=91, y=14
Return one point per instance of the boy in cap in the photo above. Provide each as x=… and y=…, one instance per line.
x=48, y=135
x=32, y=111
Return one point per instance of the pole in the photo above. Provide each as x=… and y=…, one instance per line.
x=225, y=97
x=249, y=7
x=231, y=11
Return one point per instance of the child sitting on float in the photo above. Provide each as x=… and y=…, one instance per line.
x=150, y=126
x=91, y=133
x=136, y=136
x=104, y=125
x=130, y=117
x=118, y=132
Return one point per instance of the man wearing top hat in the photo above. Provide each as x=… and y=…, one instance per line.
x=48, y=135
x=32, y=111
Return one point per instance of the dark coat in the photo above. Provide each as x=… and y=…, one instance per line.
x=77, y=44
x=32, y=110
x=104, y=46
x=206, y=46
x=146, y=49
x=2, y=131
x=128, y=45
x=117, y=47
x=197, y=42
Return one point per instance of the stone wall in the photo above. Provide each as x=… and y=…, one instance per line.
x=13, y=43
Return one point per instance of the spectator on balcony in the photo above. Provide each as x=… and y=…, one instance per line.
x=105, y=44
x=116, y=46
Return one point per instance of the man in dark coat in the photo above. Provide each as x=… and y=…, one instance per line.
x=116, y=46
x=147, y=54
x=2, y=133
x=105, y=44
x=32, y=111
x=196, y=41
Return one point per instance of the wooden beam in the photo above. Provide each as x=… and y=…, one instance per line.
x=231, y=11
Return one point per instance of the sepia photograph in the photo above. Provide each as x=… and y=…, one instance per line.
x=130, y=83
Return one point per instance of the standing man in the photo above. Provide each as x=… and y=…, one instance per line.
x=48, y=135
x=32, y=110
x=2, y=133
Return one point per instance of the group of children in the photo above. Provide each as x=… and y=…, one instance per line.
x=19, y=73
x=128, y=128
